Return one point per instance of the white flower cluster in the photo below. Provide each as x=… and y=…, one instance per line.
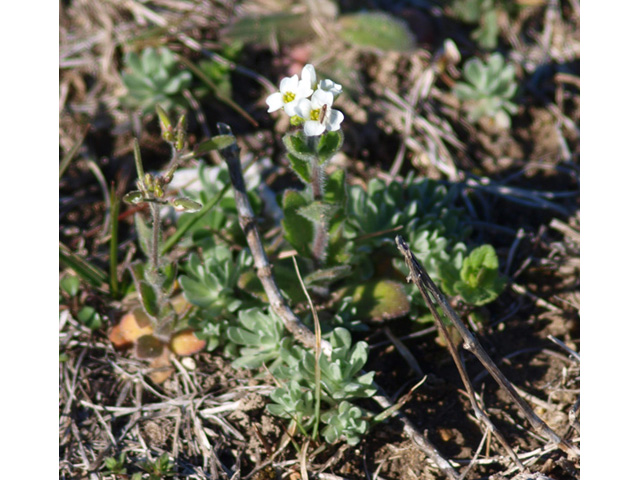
x=315, y=112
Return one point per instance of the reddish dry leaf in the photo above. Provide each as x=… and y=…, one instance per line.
x=161, y=368
x=185, y=342
x=132, y=326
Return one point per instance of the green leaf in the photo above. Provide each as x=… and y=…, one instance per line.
x=143, y=231
x=215, y=143
x=147, y=294
x=326, y=275
x=376, y=31
x=301, y=167
x=317, y=212
x=183, y=204
x=298, y=145
x=284, y=28
x=148, y=298
x=480, y=282
x=70, y=284
x=329, y=144
x=335, y=190
x=85, y=269
x=90, y=318
x=379, y=300
x=298, y=231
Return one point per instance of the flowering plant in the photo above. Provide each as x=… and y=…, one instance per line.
x=308, y=215
x=316, y=113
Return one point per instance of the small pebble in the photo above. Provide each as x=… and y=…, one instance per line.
x=188, y=363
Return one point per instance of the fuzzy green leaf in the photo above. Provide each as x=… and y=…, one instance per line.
x=376, y=31
x=329, y=144
x=301, y=167
x=335, y=190
x=298, y=231
x=317, y=212
x=297, y=145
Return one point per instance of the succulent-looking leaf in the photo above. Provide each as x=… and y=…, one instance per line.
x=184, y=204
x=133, y=198
x=379, y=300
x=377, y=30
x=89, y=317
x=70, y=284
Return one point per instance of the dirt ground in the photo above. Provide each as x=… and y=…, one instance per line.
x=209, y=417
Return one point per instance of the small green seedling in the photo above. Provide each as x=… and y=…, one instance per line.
x=488, y=90
x=116, y=465
x=160, y=468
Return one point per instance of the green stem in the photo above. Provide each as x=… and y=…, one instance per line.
x=113, y=252
x=321, y=234
x=155, y=236
x=138, y=158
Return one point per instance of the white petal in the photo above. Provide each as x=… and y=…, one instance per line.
x=309, y=73
x=335, y=118
x=289, y=84
x=321, y=97
x=275, y=102
x=304, y=88
x=330, y=86
x=291, y=108
x=303, y=108
x=313, y=128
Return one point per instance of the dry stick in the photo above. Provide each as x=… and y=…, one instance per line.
x=424, y=283
x=478, y=411
x=280, y=307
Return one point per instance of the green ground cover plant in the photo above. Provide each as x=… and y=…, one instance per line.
x=275, y=298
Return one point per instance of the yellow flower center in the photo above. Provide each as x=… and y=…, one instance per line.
x=289, y=97
x=315, y=114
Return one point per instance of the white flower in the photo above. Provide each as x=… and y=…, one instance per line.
x=309, y=73
x=318, y=115
x=330, y=86
x=291, y=92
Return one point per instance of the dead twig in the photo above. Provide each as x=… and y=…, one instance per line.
x=423, y=281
